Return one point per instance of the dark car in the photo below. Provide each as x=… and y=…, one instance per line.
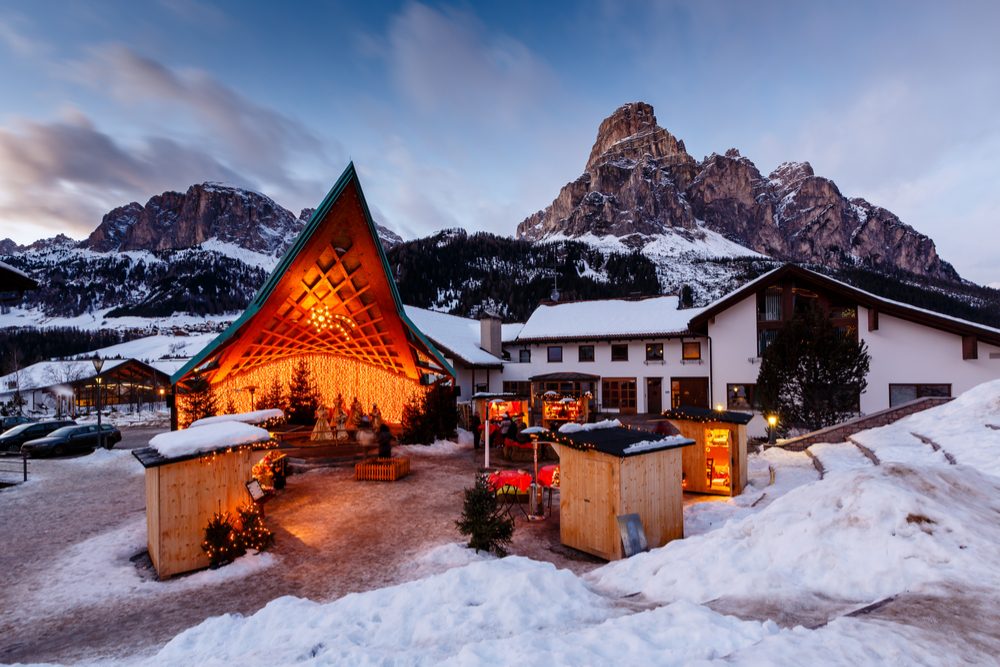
x=7, y=423
x=11, y=441
x=70, y=439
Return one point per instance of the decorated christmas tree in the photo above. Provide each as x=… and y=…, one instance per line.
x=222, y=541
x=303, y=397
x=357, y=412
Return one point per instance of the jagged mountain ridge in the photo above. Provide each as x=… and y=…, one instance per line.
x=640, y=185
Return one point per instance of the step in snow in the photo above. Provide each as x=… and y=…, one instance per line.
x=836, y=457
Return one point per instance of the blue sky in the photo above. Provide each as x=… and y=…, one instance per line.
x=475, y=114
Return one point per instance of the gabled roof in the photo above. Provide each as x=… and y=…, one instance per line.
x=457, y=337
x=606, y=319
x=336, y=268
x=848, y=292
x=15, y=280
x=58, y=372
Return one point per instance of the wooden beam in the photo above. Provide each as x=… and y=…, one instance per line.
x=970, y=348
x=873, y=319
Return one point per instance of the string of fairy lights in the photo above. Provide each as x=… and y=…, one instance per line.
x=332, y=375
x=323, y=319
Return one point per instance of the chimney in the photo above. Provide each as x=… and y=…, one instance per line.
x=489, y=334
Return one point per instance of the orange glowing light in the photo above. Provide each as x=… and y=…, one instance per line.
x=323, y=319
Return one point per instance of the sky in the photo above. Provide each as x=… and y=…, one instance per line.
x=475, y=114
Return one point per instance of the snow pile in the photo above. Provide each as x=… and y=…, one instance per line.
x=962, y=427
x=461, y=611
x=839, y=456
x=438, y=448
x=647, y=445
x=857, y=535
x=444, y=557
x=255, y=417
x=206, y=438
x=99, y=569
x=571, y=427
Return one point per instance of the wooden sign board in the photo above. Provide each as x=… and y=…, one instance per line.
x=633, y=534
x=253, y=486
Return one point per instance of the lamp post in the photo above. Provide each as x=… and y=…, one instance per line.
x=98, y=365
x=772, y=422
x=253, y=405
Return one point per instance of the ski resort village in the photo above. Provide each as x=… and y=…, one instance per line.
x=471, y=405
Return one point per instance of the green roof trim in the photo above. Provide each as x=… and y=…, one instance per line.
x=349, y=175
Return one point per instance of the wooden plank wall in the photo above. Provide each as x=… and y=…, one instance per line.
x=741, y=476
x=189, y=494
x=588, y=502
x=153, y=515
x=651, y=488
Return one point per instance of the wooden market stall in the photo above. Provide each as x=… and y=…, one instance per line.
x=191, y=475
x=498, y=404
x=717, y=464
x=608, y=472
x=558, y=410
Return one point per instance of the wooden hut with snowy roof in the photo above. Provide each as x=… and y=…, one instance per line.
x=607, y=471
x=331, y=302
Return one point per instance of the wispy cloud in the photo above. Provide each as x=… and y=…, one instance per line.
x=67, y=173
x=448, y=60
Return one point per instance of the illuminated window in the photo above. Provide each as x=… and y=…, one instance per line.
x=691, y=351
x=654, y=352
x=741, y=397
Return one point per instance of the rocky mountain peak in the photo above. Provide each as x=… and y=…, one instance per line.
x=631, y=133
x=640, y=185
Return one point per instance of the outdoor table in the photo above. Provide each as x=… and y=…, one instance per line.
x=548, y=478
x=507, y=485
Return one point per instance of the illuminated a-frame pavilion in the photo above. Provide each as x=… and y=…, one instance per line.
x=332, y=302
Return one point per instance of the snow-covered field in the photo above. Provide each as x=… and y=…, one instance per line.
x=889, y=563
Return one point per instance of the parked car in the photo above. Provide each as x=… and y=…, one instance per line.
x=7, y=423
x=70, y=439
x=11, y=441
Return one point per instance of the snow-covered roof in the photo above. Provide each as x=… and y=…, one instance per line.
x=153, y=348
x=51, y=373
x=211, y=437
x=7, y=267
x=255, y=417
x=455, y=336
x=509, y=332
x=608, y=318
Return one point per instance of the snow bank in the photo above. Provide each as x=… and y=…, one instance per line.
x=438, y=448
x=961, y=427
x=255, y=417
x=859, y=535
x=571, y=427
x=420, y=622
x=99, y=569
x=206, y=438
x=839, y=456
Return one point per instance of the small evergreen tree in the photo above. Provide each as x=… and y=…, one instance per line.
x=483, y=521
x=274, y=397
x=812, y=375
x=430, y=416
x=357, y=412
x=221, y=543
x=253, y=534
x=199, y=399
x=303, y=397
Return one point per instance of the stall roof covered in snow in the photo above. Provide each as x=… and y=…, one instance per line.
x=619, y=441
x=691, y=413
x=255, y=417
x=607, y=319
x=455, y=336
x=181, y=445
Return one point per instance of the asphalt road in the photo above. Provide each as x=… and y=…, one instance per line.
x=135, y=437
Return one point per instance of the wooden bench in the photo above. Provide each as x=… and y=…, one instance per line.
x=382, y=470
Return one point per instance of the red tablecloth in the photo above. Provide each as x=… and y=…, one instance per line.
x=516, y=478
x=549, y=476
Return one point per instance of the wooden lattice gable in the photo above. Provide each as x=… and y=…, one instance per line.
x=331, y=293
